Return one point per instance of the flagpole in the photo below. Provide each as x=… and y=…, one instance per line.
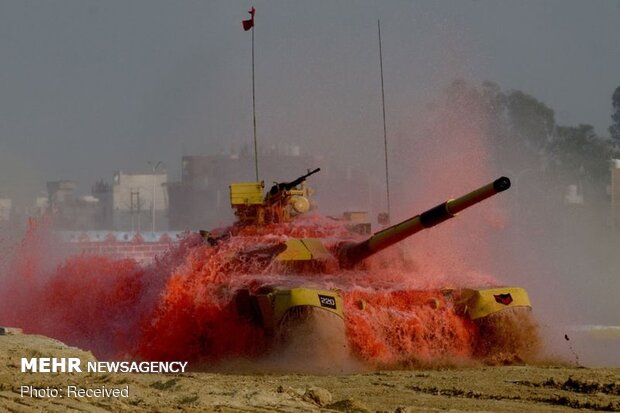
x=387, y=174
x=254, y=108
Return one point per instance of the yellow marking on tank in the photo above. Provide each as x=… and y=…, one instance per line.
x=483, y=302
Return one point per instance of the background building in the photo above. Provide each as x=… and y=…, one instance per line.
x=5, y=210
x=132, y=200
x=201, y=198
x=69, y=210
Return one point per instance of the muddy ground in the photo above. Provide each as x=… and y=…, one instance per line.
x=538, y=388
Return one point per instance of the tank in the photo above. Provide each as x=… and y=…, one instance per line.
x=290, y=268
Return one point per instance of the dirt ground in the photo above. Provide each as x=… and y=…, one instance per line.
x=505, y=389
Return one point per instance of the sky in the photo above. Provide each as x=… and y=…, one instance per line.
x=89, y=87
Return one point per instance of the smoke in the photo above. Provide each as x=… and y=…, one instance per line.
x=92, y=302
x=184, y=307
x=530, y=236
x=313, y=341
x=315, y=89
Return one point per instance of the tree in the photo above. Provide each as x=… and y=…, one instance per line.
x=614, y=129
x=530, y=119
x=524, y=134
x=581, y=152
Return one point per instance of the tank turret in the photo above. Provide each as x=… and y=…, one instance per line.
x=347, y=253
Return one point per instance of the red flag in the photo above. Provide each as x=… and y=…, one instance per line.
x=248, y=24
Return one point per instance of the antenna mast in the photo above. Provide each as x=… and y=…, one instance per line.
x=387, y=174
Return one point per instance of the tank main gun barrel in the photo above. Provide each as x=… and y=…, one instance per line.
x=350, y=253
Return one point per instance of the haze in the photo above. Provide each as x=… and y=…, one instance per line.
x=89, y=87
